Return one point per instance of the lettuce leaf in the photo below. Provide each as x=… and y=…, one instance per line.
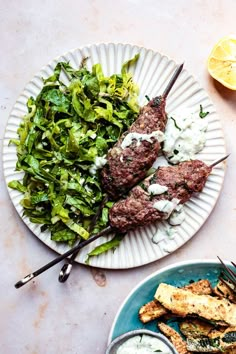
x=78, y=116
x=104, y=247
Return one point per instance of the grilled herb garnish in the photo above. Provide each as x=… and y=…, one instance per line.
x=201, y=113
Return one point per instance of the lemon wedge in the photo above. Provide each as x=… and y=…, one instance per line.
x=221, y=63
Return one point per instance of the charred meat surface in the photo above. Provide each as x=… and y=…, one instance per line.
x=139, y=208
x=127, y=165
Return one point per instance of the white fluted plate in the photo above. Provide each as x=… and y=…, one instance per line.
x=151, y=73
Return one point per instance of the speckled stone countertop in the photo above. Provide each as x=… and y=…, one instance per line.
x=76, y=317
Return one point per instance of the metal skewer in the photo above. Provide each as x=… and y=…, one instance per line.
x=60, y=258
x=172, y=80
x=219, y=160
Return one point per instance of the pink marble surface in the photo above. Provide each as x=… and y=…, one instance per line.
x=46, y=316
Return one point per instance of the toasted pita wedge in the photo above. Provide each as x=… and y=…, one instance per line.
x=184, y=303
x=175, y=338
x=153, y=309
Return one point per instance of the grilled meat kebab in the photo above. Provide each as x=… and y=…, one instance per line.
x=137, y=149
x=142, y=206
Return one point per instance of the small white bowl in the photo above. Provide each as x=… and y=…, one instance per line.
x=117, y=342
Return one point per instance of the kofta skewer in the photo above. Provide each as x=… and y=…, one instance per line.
x=158, y=195
x=137, y=149
x=201, y=172
x=127, y=165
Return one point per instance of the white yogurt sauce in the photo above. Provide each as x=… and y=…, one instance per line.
x=98, y=164
x=163, y=232
x=178, y=216
x=166, y=206
x=144, y=344
x=185, y=136
x=156, y=189
x=128, y=140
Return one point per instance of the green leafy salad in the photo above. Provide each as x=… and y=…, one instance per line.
x=63, y=142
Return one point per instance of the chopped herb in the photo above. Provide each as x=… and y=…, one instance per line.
x=128, y=159
x=201, y=113
x=176, y=151
x=151, y=196
x=141, y=338
x=142, y=185
x=148, y=99
x=150, y=171
x=176, y=125
x=153, y=179
x=215, y=342
x=229, y=337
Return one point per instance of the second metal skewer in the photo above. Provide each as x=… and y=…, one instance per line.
x=30, y=276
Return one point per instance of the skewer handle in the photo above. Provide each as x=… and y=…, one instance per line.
x=31, y=276
x=67, y=267
x=172, y=80
x=219, y=160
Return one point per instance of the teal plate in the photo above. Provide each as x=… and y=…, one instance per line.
x=178, y=274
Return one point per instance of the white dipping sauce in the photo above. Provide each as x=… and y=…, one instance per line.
x=178, y=216
x=185, y=136
x=166, y=206
x=156, y=189
x=144, y=344
x=163, y=232
x=128, y=140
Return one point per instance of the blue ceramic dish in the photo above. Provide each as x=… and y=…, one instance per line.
x=179, y=274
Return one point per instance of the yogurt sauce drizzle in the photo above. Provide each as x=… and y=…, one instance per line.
x=166, y=206
x=185, y=136
x=156, y=189
x=128, y=140
x=163, y=232
x=178, y=216
x=144, y=344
